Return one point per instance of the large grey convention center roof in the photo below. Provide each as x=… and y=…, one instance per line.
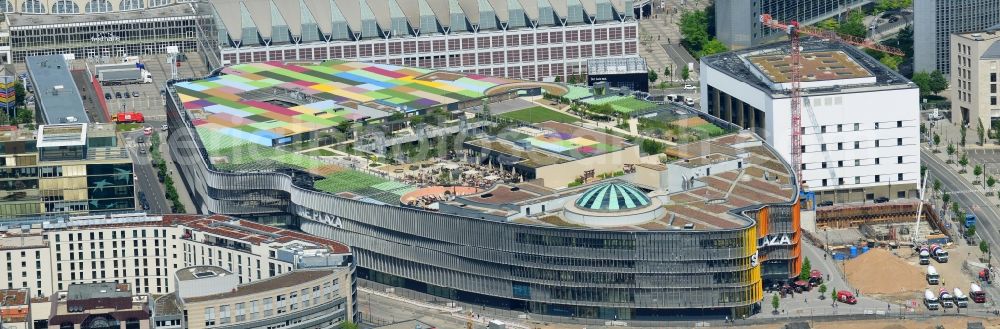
x=27, y=21
x=734, y=64
x=55, y=89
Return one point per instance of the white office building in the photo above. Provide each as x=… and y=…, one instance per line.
x=975, y=64
x=860, y=120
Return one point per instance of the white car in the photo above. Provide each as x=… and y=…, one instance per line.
x=689, y=102
x=690, y=87
x=164, y=127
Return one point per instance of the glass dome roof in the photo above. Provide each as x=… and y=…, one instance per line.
x=612, y=196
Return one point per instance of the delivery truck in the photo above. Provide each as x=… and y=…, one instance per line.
x=977, y=294
x=124, y=76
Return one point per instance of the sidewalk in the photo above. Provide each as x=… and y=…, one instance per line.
x=182, y=192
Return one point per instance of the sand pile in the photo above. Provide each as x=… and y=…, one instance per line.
x=880, y=272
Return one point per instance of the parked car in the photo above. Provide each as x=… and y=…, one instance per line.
x=118, y=94
x=826, y=203
x=690, y=87
x=135, y=94
x=881, y=199
x=140, y=140
x=142, y=150
x=164, y=127
x=107, y=96
x=689, y=102
x=127, y=95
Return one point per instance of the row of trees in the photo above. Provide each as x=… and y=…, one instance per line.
x=685, y=74
x=160, y=164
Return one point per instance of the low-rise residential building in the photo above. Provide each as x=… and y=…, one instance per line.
x=210, y=296
x=99, y=305
x=15, y=308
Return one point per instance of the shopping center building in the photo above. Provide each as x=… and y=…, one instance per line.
x=697, y=239
x=533, y=39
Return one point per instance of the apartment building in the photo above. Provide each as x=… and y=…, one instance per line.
x=975, y=58
x=146, y=252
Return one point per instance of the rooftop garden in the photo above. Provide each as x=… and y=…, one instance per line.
x=538, y=114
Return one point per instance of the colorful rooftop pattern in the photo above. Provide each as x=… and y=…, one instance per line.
x=568, y=140
x=335, y=91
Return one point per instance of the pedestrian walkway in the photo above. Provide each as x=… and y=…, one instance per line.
x=182, y=192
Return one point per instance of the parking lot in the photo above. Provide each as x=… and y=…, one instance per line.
x=146, y=98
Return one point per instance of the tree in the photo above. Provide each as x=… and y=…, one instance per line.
x=806, y=268
x=937, y=139
x=945, y=197
x=685, y=73
x=694, y=30
x=962, y=132
x=923, y=81
x=828, y=24
x=649, y=146
x=713, y=47
x=24, y=115
x=963, y=161
x=984, y=247
x=938, y=82
x=892, y=61
x=981, y=132
x=990, y=181
x=822, y=289
x=833, y=294
x=977, y=170
x=854, y=25
x=775, y=302
x=956, y=209
x=969, y=231
x=951, y=149
x=937, y=185
x=666, y=73
x=347, y=325
x=19, y=94
x=653, y=76
x=891, y=5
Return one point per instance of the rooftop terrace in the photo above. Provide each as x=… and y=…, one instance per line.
x=824, y=63
x=261, y=102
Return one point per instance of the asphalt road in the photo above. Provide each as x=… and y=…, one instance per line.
x=680, y=56
x=971, y=199
x=146, y=180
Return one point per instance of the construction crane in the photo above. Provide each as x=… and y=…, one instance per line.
x=793, y=29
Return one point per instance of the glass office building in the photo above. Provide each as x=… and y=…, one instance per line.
x=737, y=22
x=73, y=169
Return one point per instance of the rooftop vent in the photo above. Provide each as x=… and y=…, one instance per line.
x=688, y=226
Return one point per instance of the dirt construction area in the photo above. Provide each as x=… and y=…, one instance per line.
x=896, y=275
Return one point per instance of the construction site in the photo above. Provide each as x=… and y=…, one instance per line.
x=892, y=224
x=926, y=252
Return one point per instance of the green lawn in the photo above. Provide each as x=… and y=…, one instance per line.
x=538, y=114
